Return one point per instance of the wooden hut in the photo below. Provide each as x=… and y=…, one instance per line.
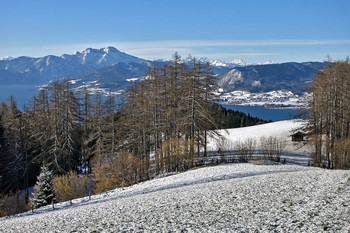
x=298, y=137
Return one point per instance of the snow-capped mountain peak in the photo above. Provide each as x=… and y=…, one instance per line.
x=43, y=69
x=7, y=58
x=265, y=63
x=91, y=50
x=110, y=49
x=239, y=62
x=101, y=51
x=219, y=63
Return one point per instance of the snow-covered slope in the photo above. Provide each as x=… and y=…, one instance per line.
x=279, y=129
x=227, y=198
x=231, y=78
x=294, y=152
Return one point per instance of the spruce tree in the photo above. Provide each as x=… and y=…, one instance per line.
x=44, y=187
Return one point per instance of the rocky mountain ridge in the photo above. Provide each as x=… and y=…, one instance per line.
x=110, y=69
x=23, y=70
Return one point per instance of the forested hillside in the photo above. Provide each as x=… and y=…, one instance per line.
x=161, y=126
x=229, y=118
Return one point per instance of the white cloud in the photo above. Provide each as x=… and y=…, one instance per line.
x=153, y=53
x=237, y=54
x=224, y=43
x=210, y=48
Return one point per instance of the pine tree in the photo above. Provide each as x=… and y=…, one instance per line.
x=44, y=187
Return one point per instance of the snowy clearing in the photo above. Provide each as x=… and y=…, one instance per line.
x=294, y=152
x=226, y=198
x=279, y=129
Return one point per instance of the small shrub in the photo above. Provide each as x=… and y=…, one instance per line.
x=71, y=186
x=12, y=203
x=116, y=172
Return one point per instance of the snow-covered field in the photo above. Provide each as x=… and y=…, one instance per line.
x=226, y=198
x=279, y=129
x=294, y=152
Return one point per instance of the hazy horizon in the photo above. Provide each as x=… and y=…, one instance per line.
x=254, y=31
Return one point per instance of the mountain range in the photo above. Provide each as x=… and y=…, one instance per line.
x=84, y=65
x=44, y=69
x=290, y=76
x=109, y=68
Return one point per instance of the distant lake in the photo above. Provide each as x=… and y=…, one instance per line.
x=24, y=93
x=265, y=113
x=21, y=93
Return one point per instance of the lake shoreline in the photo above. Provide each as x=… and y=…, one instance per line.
x=274, y=114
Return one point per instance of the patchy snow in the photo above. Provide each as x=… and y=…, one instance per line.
x=74, y=81
x=103, y=58
x=227, y=198
x=233, y=76
x=132, y=79
x=278, y=98
x=256, y=83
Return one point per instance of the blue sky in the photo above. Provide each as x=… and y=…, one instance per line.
x=252, y=30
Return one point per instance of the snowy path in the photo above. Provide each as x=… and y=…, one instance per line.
x=231, y=198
